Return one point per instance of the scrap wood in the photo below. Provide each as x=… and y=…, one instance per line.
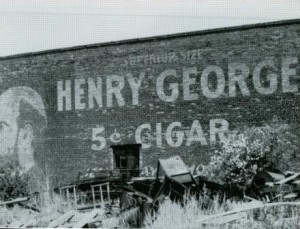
x=28, y=222
x=24, y=205
x=252, y=199
x=250, y=206
x=173, y=166
x=88, y=217
x=89, y=206
x=227, y=219
x=296, y=203
x=112, y=222
x=288, y=179
x=106, y=221
x=296, y=182
x=31, y=223
x=159, y=193
x=20, y=223
x=290, y=196
x=130, y=214
x=149, y=199
x=62, y=219
x=15, y=201
x=15, y=224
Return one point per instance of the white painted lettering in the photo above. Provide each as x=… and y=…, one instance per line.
x=138, y=135
x=173, y=86
x=64, y=96
x=187, y=81
x=239, y=79
x=271, y=78
x=196, y=134
x=95, y=92
x=114, y=86
x=217, y=127
x=205, y=82
x=178, y=134
x=288, y=72
x=135, y=86
x=79, y=94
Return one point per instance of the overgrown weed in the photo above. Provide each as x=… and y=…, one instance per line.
x=193, y=211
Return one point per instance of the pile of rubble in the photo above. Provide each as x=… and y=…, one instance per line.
x=278, y=187
x=112, y=198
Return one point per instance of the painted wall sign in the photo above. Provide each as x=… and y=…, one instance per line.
x=267, y=79
x=173, y=95
x=174, y=134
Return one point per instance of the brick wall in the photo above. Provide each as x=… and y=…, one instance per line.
x=68, y=139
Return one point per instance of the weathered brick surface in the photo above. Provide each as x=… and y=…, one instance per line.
x=68, y=137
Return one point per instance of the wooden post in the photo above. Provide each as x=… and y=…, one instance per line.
x=80, y=196
x=61, y=198
x=94, y=199
x=75, y=196
x=108, y=193
x=68, y=196
x=157, y=172
x=101, y=195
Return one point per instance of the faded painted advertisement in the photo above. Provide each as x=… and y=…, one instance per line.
x=88, y=94
x=171, y=96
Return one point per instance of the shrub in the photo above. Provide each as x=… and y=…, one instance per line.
x=13, y=183
x=242, y=154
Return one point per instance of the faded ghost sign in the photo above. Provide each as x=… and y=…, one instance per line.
x=91, y=93
x=174, y=95
x=108, y=91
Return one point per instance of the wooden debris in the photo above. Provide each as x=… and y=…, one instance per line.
x=85, y=218
x=227, y=219
x=15, y=201
x=231, y=215
x=67, y=216
x=27, y=206
x=112, y=222
x=75, y=219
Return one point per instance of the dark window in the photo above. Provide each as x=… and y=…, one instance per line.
x=127, y=159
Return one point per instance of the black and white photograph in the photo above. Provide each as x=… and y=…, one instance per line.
x=150, y=114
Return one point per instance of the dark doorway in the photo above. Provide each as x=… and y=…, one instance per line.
x=127, y=159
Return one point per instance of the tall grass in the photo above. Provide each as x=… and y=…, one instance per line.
x=17, y=216
x=191, y=214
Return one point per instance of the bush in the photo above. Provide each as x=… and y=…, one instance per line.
x=254, y=149
x=13, y=183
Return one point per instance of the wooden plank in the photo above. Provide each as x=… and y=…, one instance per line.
x=15, y=201
x=84, y=207
x=246, y=207
x=227, y=219
x=15, y=224
x=75, y=196
x=88, y=217
x=249, y=206
x=27, y=206
x=108, y=193
x=101, y=195
x=68, y=186
x=65, y=217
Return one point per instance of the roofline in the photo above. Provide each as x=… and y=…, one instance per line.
x=157, y=38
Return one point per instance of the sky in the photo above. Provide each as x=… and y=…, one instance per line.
x=36, y=25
